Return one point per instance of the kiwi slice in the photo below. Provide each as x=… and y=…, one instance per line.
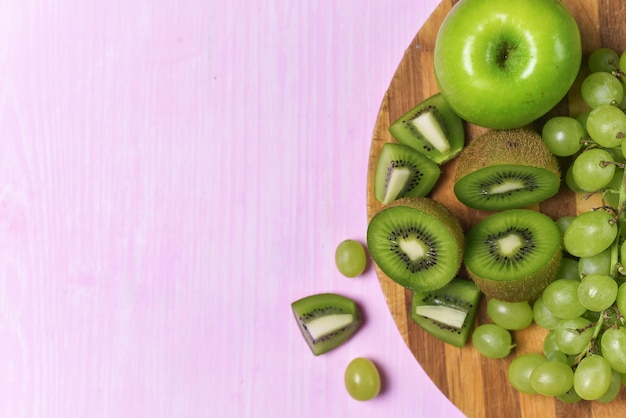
x=417, y=242
x=514, y=254
x=432, y=128
x=326, y=320
x=447, y=313
x=506, y=169
x=401, y=171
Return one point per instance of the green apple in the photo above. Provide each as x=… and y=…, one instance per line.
x=503, y=64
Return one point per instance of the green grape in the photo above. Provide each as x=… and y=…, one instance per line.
x=621, y=296
x=568, y=269
x=350, y=258
x=603, y=59
x=622, y=62
x=592, y=377
x=597, y=292
x=492, y=341
x=552, y=378
x=601, y=88
x=561, y=298
x=510, y=315
x=595, y=264
x=582, y=118
x=593, y=169
x=563, y=222
x=549, y=343
x=623, y=377
x=569, y=397
x=558, y=356
x=590, y=233
x=606, y=125
x=573, y=335
x=563, y=135
x=614, y=388
x=613, y=347
x=542, y=315
x=569, y=180
x=362, y=379
x=521, y=368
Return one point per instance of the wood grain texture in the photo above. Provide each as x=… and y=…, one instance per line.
x=479, y=386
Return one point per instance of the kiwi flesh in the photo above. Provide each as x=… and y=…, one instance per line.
x=506, y=169
x=447, y=313
x=432, y=128
x=326, y=320
x=514, y=254
x=401, y=171
x=416, y=242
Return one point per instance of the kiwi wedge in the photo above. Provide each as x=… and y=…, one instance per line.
x=417, y=242
x=447, y=313
x=506, y=169
x=401, y=171
x=514, y=254
x=326, y=320
x=431, y=128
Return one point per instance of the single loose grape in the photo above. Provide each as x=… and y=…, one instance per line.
x=590, y=233
x=597, y=292
x=552, y=378
x=572, y=336
x=350, y=258
x=563, y=135
x=561, y=298
x=492, y=341
x=510, y=315
x=593, y=169
x=592, y=377
x=362, y=379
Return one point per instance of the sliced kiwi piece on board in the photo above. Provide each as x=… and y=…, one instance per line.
x=401, y=171
x=506, y=169
x=432, y=128
x=326, y=320
x=417, y=242
x=447, y=313
x=514, y=254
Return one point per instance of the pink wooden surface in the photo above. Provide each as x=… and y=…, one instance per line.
x=173, y=175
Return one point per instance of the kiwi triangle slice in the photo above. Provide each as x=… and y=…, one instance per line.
x=506, y=169
x=432, y=128
x=326, y=320
x=447, y=313
x=401, y=171
x=417, y=242
x=514, y=254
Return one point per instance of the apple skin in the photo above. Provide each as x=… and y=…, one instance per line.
x=503, y=64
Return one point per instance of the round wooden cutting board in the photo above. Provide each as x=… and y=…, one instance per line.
x=479, y=386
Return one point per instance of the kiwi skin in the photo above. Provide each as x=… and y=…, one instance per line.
x=513, y=147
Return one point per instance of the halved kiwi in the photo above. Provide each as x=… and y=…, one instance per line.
x=417, y=242
x=514, y=254
x=326, y=320
x=432, y=128
x=447, y=313
x=506, y=169
x=401, y=171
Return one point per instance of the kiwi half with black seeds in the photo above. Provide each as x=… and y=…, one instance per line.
x=506, y=169
x=401, y=171
x=447, y=313
x=326, y=320
x=417, y=242
x=431, y=128
x=514, y=254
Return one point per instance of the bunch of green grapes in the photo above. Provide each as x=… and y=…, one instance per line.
x=584, y=352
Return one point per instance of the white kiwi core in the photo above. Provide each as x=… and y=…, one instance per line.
x=413, y=248
x=328, y=324
x=428, y=125
x=398, y=178
x=443, y=314
x=508, y=245
x=507, y=187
